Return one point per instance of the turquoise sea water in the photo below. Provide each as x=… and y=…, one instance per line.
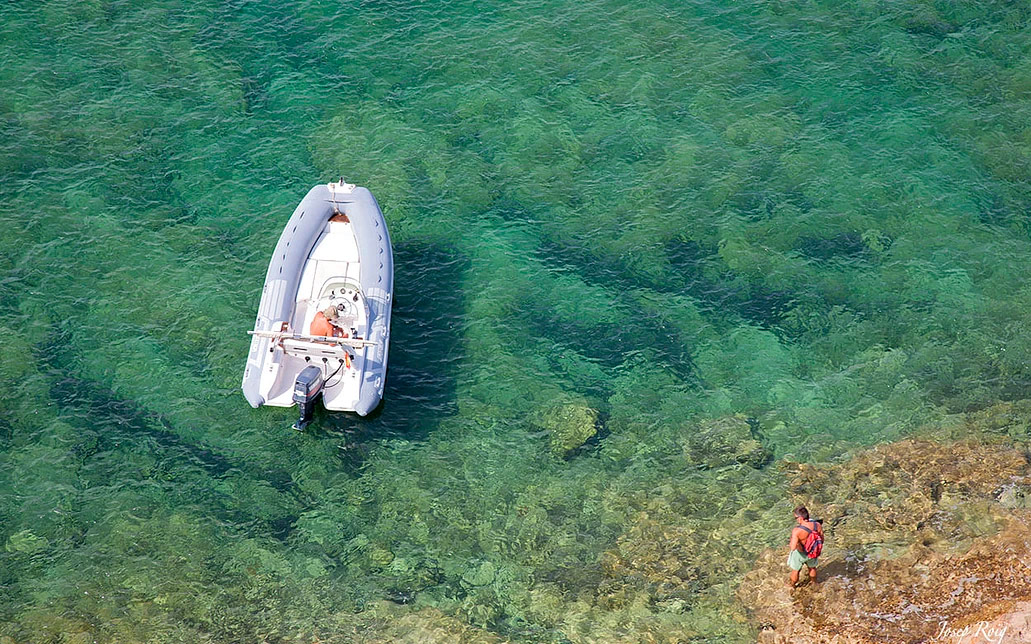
x=815, y=215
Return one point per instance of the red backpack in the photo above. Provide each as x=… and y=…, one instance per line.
x=813, y=543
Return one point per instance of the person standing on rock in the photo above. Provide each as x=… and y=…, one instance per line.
x=806, y=545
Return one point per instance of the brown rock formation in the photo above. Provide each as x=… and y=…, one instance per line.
x=919, y=536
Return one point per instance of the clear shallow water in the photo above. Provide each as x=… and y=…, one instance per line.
x=813, y=216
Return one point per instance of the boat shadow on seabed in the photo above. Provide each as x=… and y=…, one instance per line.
x=426, y=350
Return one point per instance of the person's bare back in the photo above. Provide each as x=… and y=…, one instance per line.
x=797, y=556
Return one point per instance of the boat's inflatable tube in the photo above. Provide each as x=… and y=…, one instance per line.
x=376, y=274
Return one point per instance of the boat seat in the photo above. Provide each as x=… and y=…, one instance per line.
x=310, y=348
x=300, y=316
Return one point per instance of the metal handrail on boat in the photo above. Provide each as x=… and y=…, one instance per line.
x=284, y=335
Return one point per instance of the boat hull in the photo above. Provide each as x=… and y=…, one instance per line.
x=308, y=263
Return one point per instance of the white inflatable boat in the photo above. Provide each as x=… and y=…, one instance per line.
x=334, y=256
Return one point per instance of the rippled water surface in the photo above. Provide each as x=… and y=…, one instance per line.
x=649, y=215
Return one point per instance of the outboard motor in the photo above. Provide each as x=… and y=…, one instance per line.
x=307, y=389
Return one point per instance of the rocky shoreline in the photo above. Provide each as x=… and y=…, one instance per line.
x=924, y=539
x=928, y=539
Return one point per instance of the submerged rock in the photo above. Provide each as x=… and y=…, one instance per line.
x=392, y=622
x=26, y=542
x=724, y=441
x=481, y=575
x=569, y=425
